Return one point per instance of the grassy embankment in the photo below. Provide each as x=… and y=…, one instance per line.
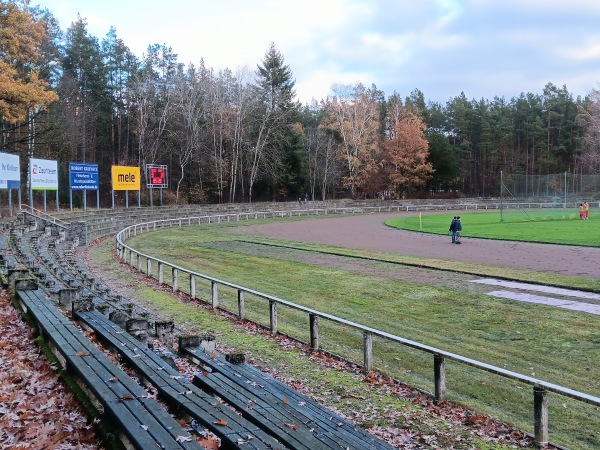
x=555, y=345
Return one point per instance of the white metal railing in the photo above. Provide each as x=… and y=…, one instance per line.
x=43, y=215
x=134, y=258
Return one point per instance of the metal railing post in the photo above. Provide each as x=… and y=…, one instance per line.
x=540, y=415
x=273, y=316
x=368, y=351
x=314, y=331
x=439, y=369
x=192, y=286
x=241, y=305
x=215, y=294
x=175, y=276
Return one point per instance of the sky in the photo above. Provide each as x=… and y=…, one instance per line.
x=482, y=48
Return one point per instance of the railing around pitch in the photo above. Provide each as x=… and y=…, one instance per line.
x=134, y=258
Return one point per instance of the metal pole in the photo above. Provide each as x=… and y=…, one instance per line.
x=540, y=414
x=501, y=193
x=30, y=187
x=565, y=190
x=440, y=378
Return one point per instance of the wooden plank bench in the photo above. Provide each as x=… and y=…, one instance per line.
x=234, y=430
x=142, y=423
x=243, y=384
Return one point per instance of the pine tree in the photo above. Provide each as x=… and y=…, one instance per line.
x=275, y=145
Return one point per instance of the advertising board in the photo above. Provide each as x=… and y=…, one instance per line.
x=83, y=177
x=10, y=171
x=125, y=178
x=43, y=174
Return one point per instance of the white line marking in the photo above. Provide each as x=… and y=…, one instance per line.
x=538, y=288
x=538, y=299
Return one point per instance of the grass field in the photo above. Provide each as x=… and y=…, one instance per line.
x=546, y=226
x=552, y=344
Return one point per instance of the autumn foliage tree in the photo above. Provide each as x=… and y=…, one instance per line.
x=405, y=154
x=22, y=89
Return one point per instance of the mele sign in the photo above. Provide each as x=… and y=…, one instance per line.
x=125, y=178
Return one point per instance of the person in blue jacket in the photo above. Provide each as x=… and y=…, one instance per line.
x=458, y=228
x=453, y=229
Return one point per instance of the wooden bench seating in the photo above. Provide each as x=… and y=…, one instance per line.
x=293, y=419
x=140, y=420
x=243, y=384
x=234, y=430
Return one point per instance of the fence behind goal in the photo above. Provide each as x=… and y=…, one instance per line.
x=559, y=188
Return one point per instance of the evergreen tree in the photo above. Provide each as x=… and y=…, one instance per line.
x=444, y=162
x=121, y=64
x=275, y=143
x=84, y=92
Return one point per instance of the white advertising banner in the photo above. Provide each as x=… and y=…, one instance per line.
x=44, y=174
x=10, y=171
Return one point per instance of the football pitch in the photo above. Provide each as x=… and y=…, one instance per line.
x=544, y=226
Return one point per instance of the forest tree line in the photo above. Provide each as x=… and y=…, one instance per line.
x=237, y=136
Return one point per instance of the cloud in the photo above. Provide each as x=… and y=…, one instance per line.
x=442, y=47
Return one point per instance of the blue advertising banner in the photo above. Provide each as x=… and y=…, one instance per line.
x=83, y=177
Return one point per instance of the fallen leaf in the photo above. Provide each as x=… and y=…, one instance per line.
x=183, y=439
x=220, y=422
x=293, y=426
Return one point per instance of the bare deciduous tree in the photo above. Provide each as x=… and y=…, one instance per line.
x=353, y=115
x=590, y=118
x=189, y=108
